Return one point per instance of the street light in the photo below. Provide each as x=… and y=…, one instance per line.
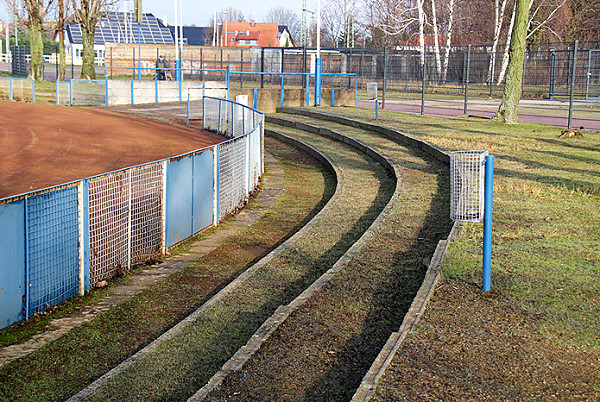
x=225, y=28
x=318, y=58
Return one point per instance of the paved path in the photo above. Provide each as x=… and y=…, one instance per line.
x=552, y=113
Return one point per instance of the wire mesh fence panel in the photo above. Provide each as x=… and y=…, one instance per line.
x=467, y=175
x=52, y=248
x=232, y=175
x=226, y=116
x=108, y=225
x=88, y=92
x=5, y=88
x=146, y=211
x=63, y=93
x=255, y=155
x=211, y=113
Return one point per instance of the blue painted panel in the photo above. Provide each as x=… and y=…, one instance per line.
x=12, y=262
x=203, y=190
x=52, y=248
x=179, y=200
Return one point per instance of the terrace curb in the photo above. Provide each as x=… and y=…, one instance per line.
x=383, y=360
x=371, y=379
x=179, y=327
x=264, y=332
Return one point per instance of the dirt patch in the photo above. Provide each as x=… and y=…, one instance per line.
x=46, y=145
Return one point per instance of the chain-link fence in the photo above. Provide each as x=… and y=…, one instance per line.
x=61, y=241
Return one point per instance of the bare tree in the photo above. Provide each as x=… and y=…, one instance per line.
x=88, y=14
x=60, y=27
x=285, y=16
x=508, y=109
x=32, y=13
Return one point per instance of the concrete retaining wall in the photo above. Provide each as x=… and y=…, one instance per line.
x=150, y=91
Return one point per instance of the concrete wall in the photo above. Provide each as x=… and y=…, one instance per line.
x=268, y=99
x=146, y=91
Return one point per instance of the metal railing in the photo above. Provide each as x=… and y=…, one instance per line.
x=60, y=241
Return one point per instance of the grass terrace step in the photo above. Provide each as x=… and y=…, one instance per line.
x=324, y=348
x=181, y=364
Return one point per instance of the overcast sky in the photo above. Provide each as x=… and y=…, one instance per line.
x=198, y=12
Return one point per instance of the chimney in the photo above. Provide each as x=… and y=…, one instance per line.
x=252, y=23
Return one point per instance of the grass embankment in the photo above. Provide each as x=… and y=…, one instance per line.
x=325, y=347
x=177, y=368
x=61, y=368
x=537, y=333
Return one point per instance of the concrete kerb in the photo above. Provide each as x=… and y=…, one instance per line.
x=407, y=139
x=383, y=360
x=237, y=361
x=371, y=379
x=241, y=357
x=178, y=329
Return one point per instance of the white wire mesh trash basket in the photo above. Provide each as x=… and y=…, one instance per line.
x=467, y=179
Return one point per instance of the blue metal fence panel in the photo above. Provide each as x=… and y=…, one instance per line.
x=12, y=262
x=52, y=248
x=203, y=190
x=179, y=200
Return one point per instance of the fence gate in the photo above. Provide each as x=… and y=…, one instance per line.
x=20, y=68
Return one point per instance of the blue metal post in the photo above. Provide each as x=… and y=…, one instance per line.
x=139, y=51
x=307, y=89
x=355, y=90
x=106, y=91
x=32, y=91
x=255, y=96
x=187, y=119
x=26, y=231
x=177, y=71
x=318, y=82
x=332, y=97
x=70, y=93
x=203, y=112
x=281, y=93
x=56, y=87
x=376, y=108
x=155, y=91
x=10, y=90
x=179, y=91
x=487, y=223
x=132, y=100
x=86, y=235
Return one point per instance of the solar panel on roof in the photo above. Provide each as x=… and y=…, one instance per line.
x=119, y=27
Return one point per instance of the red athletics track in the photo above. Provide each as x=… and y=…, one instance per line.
x=46, y=145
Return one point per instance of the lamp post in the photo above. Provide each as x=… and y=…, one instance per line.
x=318, y=58
x=225, y=28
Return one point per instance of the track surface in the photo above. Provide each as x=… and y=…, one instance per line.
x=46, y=145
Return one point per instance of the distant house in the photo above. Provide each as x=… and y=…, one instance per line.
x=284, y=36
x=248, y=34
x=117, y=27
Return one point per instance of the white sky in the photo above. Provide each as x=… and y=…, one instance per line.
x=198, y=12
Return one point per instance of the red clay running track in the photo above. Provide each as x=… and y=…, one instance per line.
x=46, y=145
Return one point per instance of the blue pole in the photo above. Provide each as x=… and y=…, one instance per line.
x=318, y=82
x=281, y=92
x=32, y=91
x=487, y=223
x=332, y=97
x=355, y=90
x=376, y=109
x=132, y=99
x=255, y=96
x=106, y=91
x=139, y=51
x=307, y=90
x=187, y=119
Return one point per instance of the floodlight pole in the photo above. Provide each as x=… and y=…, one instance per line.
x=487, y=223
x=318, y=58
x=176, y=42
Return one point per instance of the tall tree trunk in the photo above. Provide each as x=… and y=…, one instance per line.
x=421, y=14
x=506, y=48
x=62, y=61
x=36, y=49
x=499, y=9
x=87, y=67
x=508, y=110
x=449, y=29
x=436, y=40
